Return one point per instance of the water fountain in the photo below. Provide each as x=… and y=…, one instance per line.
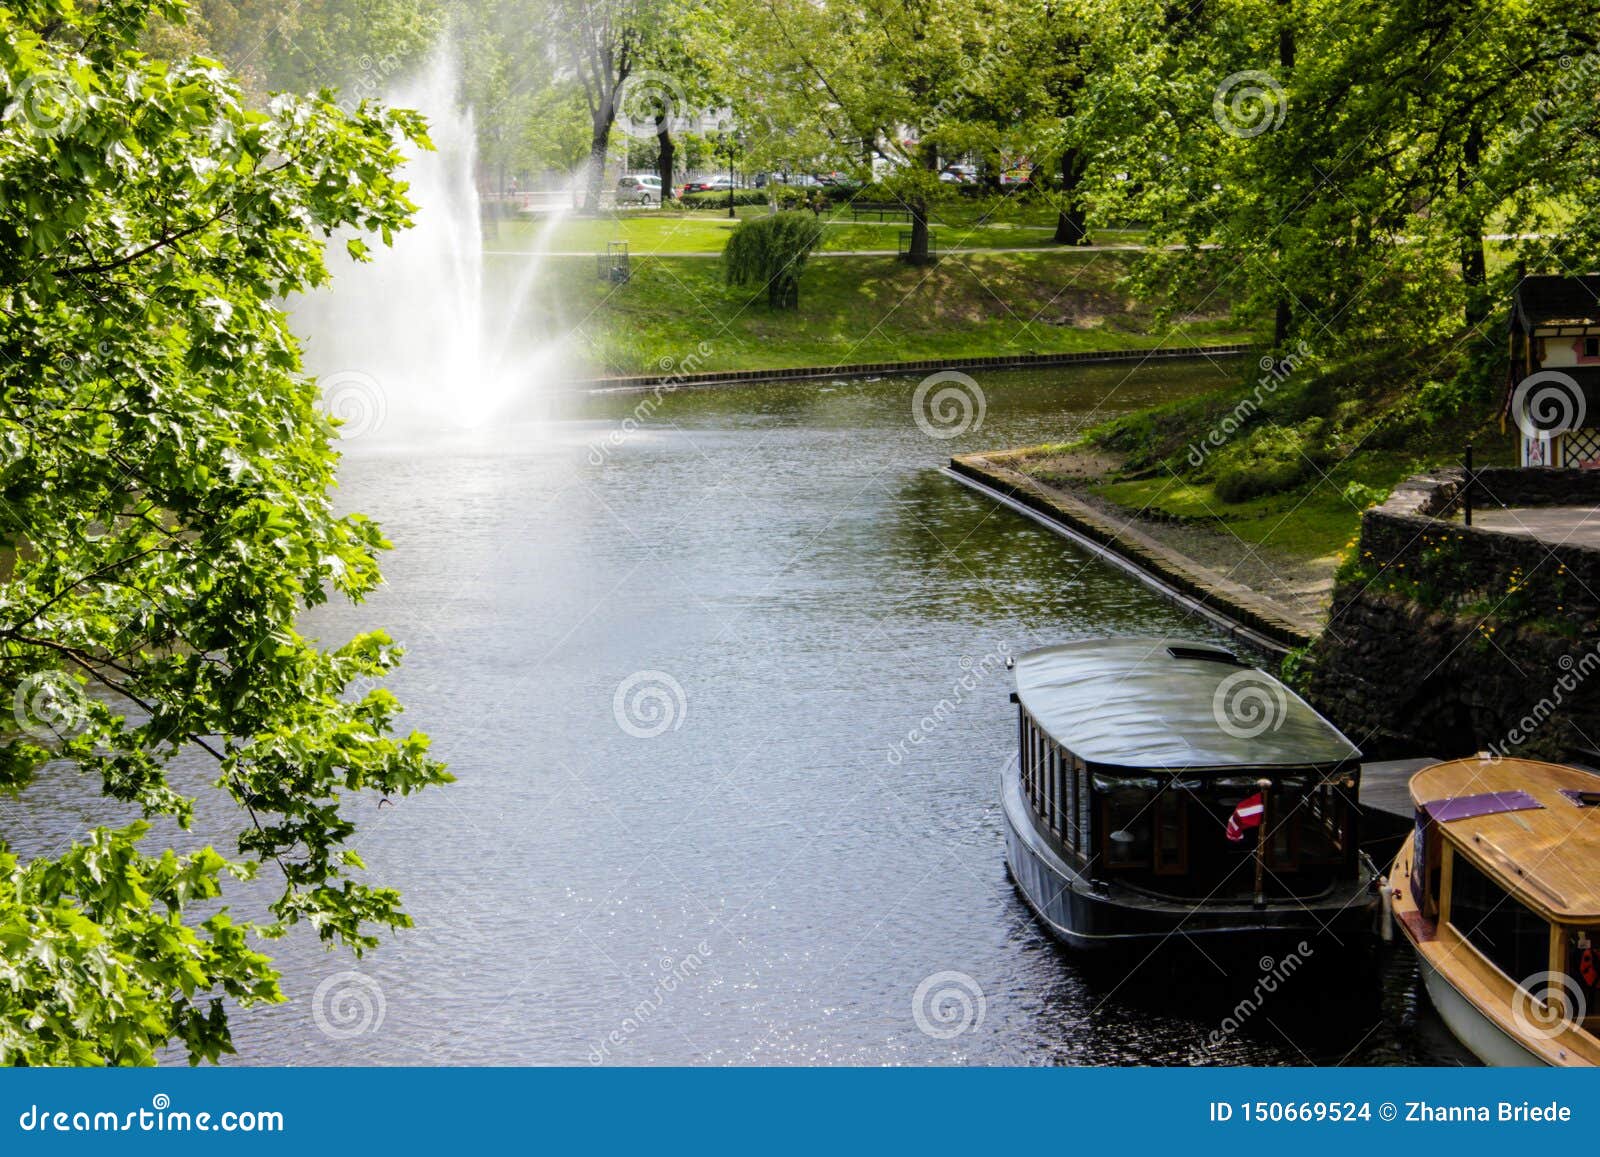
x=423, y=337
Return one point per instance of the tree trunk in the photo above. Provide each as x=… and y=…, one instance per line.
x=1472, y=261
x=667, y=151
x=918, y=253
x=1282, y=318
x=599, y=147
x=1071, y=225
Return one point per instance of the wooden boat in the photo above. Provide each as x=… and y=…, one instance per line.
x=1499, y=893
x=1169, y=789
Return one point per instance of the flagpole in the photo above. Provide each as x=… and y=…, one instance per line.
x=1261, y=845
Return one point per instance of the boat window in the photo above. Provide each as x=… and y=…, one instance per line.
x=1172, y=831
x=1283, y=820
x=1583, y=966
x=1126, y=817
x=1080, y=779
x=1052, y=775
x=1036, y=743
x=1498, y=925
x=1325, y=825
x=1067, y=816
x=1426, y=872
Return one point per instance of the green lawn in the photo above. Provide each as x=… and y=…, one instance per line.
x=656, y=231
x=852, y=309
x=1314, y=524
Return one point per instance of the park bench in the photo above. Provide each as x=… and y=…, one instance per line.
x=881, y=210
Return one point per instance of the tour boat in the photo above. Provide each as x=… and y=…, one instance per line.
x=1169, y=789
x=1499, y=893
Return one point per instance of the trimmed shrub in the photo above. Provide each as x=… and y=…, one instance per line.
x=772, y=251
x=785, y=197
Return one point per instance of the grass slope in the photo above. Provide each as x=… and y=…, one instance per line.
x=1292, y=464
x=854, y=309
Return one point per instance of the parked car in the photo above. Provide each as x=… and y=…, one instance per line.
x=714, y=185
x=640, y=189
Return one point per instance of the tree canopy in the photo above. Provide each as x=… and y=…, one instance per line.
x=166, y=473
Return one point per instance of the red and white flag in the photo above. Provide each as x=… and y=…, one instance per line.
x=1246, y=815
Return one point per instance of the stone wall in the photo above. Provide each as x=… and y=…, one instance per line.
x=1446, y=640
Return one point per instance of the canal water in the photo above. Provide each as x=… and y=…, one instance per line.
x=722, y=684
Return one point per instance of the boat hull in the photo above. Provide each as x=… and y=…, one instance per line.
x=1483, y=1038
x=1089, y=919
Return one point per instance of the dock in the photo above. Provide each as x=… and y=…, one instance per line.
x=1386, y=812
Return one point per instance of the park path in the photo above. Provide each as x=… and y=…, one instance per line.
x=717, y=253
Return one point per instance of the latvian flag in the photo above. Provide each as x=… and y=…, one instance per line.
x=1246, y=815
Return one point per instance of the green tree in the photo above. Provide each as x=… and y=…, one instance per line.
x=878, y=85
x=1337, y=164
x=771, y=251
x=359, y=46
x=166, y=474
x=600, y=43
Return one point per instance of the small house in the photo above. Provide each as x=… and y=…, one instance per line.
x=1553, y=390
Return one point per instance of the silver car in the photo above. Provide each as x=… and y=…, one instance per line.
x=643, y=189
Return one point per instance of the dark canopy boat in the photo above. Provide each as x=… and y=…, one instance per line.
x=1168, y=789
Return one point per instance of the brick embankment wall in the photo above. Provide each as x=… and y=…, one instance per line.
x=675, y=380
x=1448, y=640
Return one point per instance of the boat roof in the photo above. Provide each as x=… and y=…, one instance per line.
x=1522, y=822
x=1170, y=704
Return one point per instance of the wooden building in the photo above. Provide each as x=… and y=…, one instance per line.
x=1553, y=390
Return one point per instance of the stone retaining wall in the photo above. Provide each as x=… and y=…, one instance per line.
x=1450, y=639
x=1515, y=576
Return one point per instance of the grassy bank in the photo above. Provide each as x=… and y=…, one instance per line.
x=1287, y=461
x=854, y=309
